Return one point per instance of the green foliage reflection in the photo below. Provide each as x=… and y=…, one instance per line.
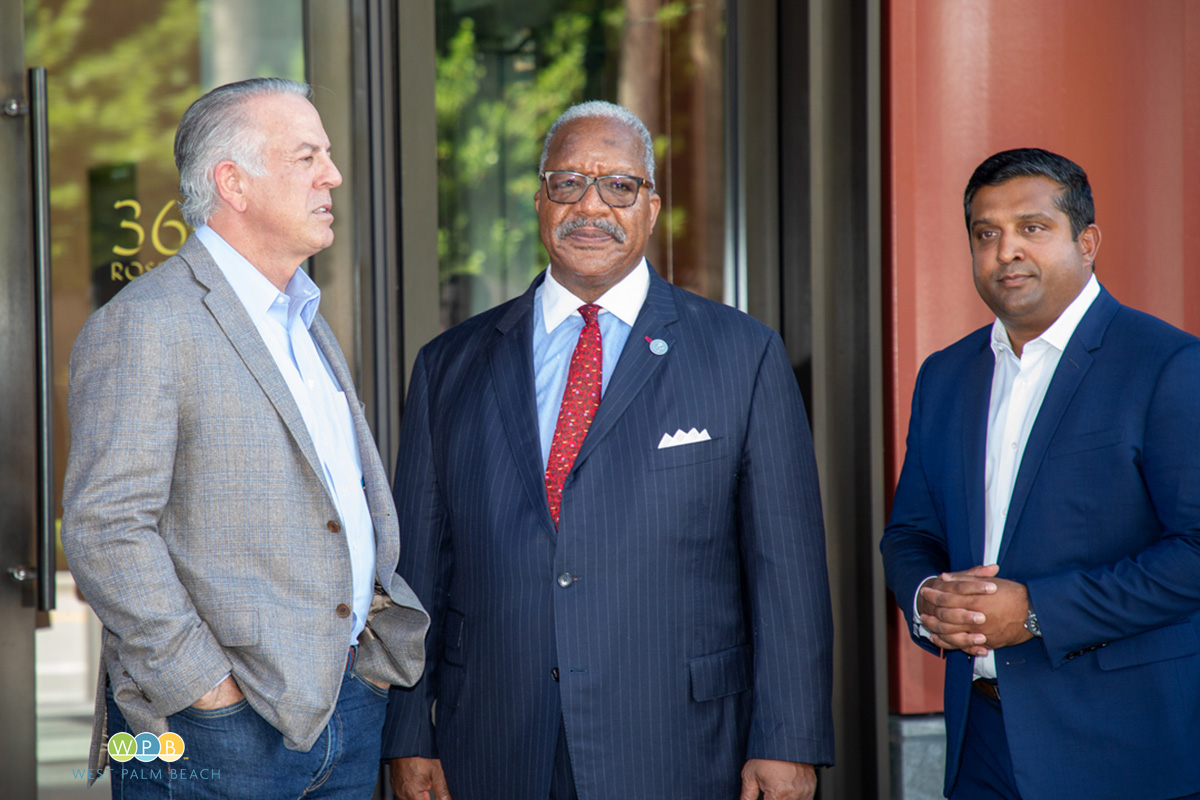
x=498, y=89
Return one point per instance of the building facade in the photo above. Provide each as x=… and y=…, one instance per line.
x=811, y=153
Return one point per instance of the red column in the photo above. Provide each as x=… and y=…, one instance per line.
x=1113, y=85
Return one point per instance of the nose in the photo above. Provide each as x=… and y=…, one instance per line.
x=328, y=177
x=591, y=200
x=1009, y=249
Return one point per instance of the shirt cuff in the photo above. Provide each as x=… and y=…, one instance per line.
x=919, y=630
x=218, y=683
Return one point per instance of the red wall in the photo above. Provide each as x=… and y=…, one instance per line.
x=1113, y=85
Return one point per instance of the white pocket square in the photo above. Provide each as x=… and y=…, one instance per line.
x=690, y=437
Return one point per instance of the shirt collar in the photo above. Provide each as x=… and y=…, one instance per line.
x=1059, y=333
x=259, y=296
x=624, y=300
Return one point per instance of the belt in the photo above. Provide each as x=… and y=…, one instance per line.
x=988, y=688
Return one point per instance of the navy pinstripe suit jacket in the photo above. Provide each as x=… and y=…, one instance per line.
x=693, y=630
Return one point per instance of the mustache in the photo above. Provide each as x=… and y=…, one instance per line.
x=611, y=228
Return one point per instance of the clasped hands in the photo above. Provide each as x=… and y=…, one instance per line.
x=973, y=610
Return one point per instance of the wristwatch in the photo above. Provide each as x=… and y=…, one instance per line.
x=1031, y=623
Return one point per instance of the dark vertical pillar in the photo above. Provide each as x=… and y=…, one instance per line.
x=831, y=322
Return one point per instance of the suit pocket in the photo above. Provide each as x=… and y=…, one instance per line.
x=721, y=674
x=1160, y=644
x=694, y=453
x=1086, y=442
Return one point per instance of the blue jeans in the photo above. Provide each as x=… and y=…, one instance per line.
x=232, y=752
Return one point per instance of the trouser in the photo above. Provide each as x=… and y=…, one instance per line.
x=233, y=752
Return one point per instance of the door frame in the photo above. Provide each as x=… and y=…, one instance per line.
x=19, y=489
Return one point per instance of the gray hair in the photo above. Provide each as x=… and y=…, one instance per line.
x=217, y=128
x=604, y=110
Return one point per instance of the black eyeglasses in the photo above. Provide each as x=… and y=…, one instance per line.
x=618, y=191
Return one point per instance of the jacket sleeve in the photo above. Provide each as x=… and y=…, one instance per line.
x=914, y=543
x=124, y=415
x=425, y=555
x=783, y=550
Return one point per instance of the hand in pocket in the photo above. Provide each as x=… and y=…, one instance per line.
x=225, y=693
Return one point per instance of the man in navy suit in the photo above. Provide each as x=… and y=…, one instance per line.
x=609, y=504
x=1045, y=533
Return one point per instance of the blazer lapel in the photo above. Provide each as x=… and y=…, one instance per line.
x=1076, y=360
x=231, y=315
x=637, y=362
x=511, y=360
x=977, y=391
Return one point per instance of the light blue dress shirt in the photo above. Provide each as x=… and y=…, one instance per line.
x=556, y=326
x=283, y=320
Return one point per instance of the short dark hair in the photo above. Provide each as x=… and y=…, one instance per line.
x=1075, y=200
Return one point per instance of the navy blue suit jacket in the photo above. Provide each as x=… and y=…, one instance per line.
x=694, y=628
x=1103, y=528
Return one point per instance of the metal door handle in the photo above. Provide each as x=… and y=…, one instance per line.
x=47, y=553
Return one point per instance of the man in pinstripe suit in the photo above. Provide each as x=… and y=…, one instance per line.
x=646, y=616
x=226, y=511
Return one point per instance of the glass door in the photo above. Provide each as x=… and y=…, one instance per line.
x=119, y=76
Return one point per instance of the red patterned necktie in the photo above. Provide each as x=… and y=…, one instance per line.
x=579, y=403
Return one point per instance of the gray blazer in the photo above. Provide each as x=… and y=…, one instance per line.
x=197, y=521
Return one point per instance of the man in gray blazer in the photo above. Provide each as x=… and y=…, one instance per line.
x=226, y=512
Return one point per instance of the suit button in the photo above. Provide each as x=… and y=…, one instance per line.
x=565, y=580
x=333, y=526
x=554, y=674
x=343, y=610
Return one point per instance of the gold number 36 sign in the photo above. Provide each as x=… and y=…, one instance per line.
x=160, y=222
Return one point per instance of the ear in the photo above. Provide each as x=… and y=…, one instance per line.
x=231, y=186
x=1089, y=244
x=655, y=206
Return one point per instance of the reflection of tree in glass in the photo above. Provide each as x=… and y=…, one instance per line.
x=492, y=106
x=507, y=70
x=118, y=84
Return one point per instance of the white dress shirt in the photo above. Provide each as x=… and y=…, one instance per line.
x=283, y=320
x=1019, y=386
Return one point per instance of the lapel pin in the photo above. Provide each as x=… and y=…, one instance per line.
x=659, y=347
